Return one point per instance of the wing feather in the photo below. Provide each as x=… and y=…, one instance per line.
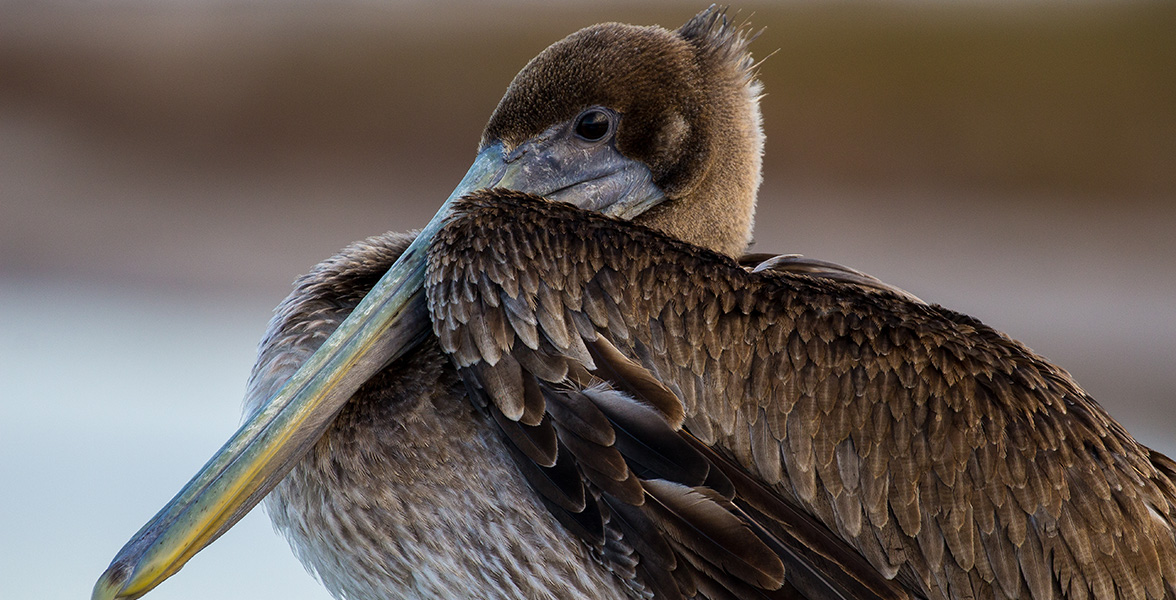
x=886, y=446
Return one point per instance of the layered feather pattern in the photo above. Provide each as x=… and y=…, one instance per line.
x=718, y=432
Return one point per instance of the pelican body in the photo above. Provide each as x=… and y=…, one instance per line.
x=570, y=384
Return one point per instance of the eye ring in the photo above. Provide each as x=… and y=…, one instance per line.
x=593, y=125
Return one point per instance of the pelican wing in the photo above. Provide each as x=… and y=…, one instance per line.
x=718, y=431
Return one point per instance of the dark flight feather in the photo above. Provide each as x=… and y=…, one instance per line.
x=625, y=375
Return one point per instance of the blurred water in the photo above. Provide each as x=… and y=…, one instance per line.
x=111, y=399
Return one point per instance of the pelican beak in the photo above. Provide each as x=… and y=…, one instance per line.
x=593, y=177
x=391, y=320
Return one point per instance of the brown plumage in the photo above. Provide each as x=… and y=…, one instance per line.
x=954, y=460
x=614, y=409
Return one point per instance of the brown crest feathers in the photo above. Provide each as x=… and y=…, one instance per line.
x=712, y=33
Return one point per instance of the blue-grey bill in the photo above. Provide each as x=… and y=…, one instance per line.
x=388, y=322
x=391, y=320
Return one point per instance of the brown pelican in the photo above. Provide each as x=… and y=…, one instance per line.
x=567, y=386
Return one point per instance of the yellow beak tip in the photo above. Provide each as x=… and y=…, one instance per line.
x=112, y=583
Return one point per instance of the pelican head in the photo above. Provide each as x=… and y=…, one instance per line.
x=660, y=127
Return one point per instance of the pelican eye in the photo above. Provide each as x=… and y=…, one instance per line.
x=593, y=125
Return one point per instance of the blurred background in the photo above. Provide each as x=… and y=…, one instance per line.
x=168, y=168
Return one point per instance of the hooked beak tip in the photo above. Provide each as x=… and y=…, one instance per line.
x=112, y=582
